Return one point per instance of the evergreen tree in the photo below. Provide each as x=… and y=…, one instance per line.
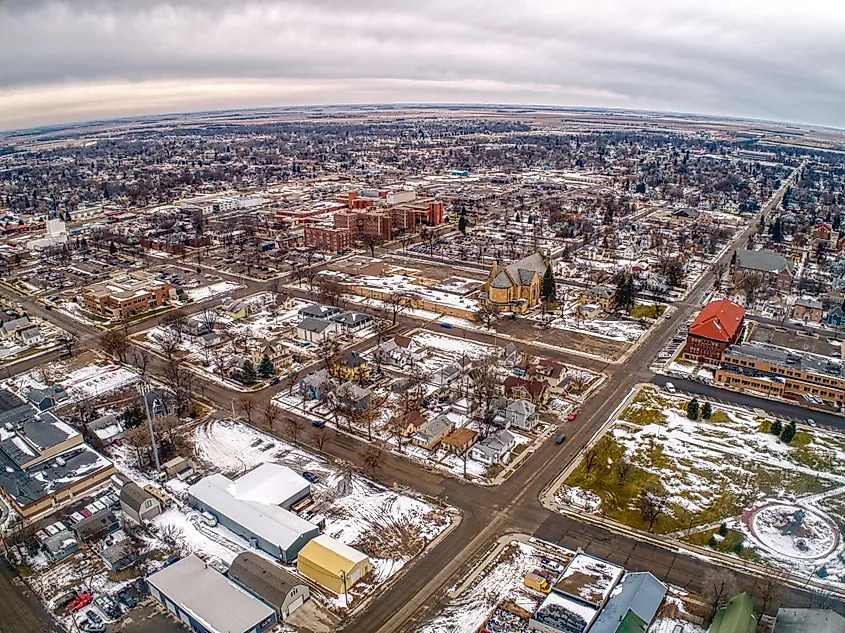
x=265, y=367
x=548, y=290
x=693, y=409
x=706, y=411
x=777, y=232
x=776, y=428
x=788, y=433
x=462, y=224
x=626, y=292
x=733, y=259
x=112, y=248
x=248, y=373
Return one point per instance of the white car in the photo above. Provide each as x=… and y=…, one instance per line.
x=551, y=566
x=811, y=422
x=671, y=388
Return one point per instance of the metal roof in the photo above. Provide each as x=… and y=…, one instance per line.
x=808, y=621
x=209, y=597
x=269, y=581
x=638, y=593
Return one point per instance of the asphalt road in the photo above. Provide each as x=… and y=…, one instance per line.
x=20, y=609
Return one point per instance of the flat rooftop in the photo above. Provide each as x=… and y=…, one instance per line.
x=803, y=361
x=798, y=340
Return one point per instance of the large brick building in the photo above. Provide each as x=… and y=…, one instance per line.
x=126, y=295
x=328, y=238
x=715, y=328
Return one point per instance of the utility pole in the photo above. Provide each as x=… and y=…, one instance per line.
x=144, y=389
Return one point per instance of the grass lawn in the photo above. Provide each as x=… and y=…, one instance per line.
x=731, y=542
x=643, y=311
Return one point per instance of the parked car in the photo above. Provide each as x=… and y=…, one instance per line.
x=560, y=439
x=318, y=424
x=209, y=519
x=173, y=558
x=551, y=565
x=109, y=606
x=81, y=601
x=572, y=415
x=93, y=616
x=126, y=598
x=671, y=388
x=811, y=422
x=310, y=477
x=275, y=381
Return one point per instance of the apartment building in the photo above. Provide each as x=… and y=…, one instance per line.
x=783, y=372
x=126, y=294
x=328, y=238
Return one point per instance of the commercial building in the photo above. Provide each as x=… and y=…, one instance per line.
x=43, y=461
x=255, y=508
x=332, y=564
x=715, y=328
x=808, y=621
x=126, y=294
x=207, y=601
x=328, y=238
x=783, y=372
x=272, y=584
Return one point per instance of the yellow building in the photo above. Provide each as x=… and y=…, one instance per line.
x=516, y=287
x=331, y=563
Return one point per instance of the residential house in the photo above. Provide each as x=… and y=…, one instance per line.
x=352, y=321
x=107, y=429
x=353, y=366
x=516, y=286
x=716, y=327
x=30, y=336
x=550, y=372
x=399, y=351
x=430, y=434
x=314, y=311
x=269, y=582
x=412, y=422
x=807, y=310
x=444, y=377
x=589, y=310
x=278, y=353
x=354, y=396
x=532, y=390
x=735, y=617
x=602, y=295
x=211, y=339
x=521, y=414
x=61, y=545
x=10, y=328
x=316, y=385
x=773, y=267
x=197, y=326
x=459, y=441
x=284, y=302
x=494, y=449
x=138, y=504
x=237, y=308
x=96, y=527
x=316, y=330
x=119, y=556
x=48, y=397
x=836, y=317
x=632, y=605
x=509, y=356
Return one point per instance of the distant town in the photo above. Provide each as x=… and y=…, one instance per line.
x=423, y=368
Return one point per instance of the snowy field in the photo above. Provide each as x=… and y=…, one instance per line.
x=390, y=527
x=613, y=329
x=213, y=290
x=705, y=472
x=97, y=380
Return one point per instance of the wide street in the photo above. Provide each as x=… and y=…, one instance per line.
x=513, y=506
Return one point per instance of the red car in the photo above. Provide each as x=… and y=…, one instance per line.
x=82, y=600
x=572, y=415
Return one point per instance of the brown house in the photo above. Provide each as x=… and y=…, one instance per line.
x=532, y=390
x=459, y=440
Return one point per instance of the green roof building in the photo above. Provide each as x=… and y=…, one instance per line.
x=735, y=617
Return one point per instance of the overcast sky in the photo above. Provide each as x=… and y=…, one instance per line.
x=74, y=60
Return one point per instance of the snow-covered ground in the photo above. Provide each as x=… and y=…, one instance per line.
x=628, y=331
x=213, y=290
x=96, y=380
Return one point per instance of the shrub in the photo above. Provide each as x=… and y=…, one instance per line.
x=776, y=428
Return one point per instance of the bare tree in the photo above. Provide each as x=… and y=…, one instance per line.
x=719, y=269
x=485, y=388
x=208, y=319
x=168, y=344
x=396, y=428
x=487, y=313
x=68, y=340
x=652, y=504
x=171, y=535
x=141, y=359
x=372, y=457
x=768, y=589
x=749, y=286
x=370, y=242
x=718, y=587
x=247, y=405
x=329, y=291
x=115, y=343
x=399, y=302
x=270, y=414
x=294, y=425
x=327, y=351
x=177, y=322
x=624, y=466
x=319, y=436
x=180, y=380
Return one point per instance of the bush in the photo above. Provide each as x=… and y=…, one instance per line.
x=776, y=428
x=693, y=409
x=738, y=548
x=723, y=529
x=788, y=433
x=706, y=411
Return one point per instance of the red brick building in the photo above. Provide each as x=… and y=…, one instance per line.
x=328, y=238
x=371, y=222
x=716, y=327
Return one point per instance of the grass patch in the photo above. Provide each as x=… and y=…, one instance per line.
x=731, y=543
x=801, y=439
x=641, y=311
x=642, y=415
x=718, y=417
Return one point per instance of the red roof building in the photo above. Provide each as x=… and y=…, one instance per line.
x=716, y=327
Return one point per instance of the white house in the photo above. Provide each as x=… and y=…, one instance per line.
x=316, y=330
x=494, y=449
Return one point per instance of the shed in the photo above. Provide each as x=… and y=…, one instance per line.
x=206, y=600
x=138, y=504
x=332, y=564
x=271, y=583
x=632, y=605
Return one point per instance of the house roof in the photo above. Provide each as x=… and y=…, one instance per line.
x=94, y=524
x=311, y=324
x=808, y=621
x=522, y=407
x=807, y=302
x=735, y=617
x=133, y=496
x=763, y=261
x=520, y=273
x=209, y=596
x=534, y=387
x=269, y=581
x=635, y=601
x=460, y=437
x=719, y=320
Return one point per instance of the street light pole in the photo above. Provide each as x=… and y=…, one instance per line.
x=144, y=390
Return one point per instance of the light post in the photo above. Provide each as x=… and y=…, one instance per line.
x=343, y=586
x=144, y=390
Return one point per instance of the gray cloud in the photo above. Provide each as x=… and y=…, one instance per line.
x=71, y=59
